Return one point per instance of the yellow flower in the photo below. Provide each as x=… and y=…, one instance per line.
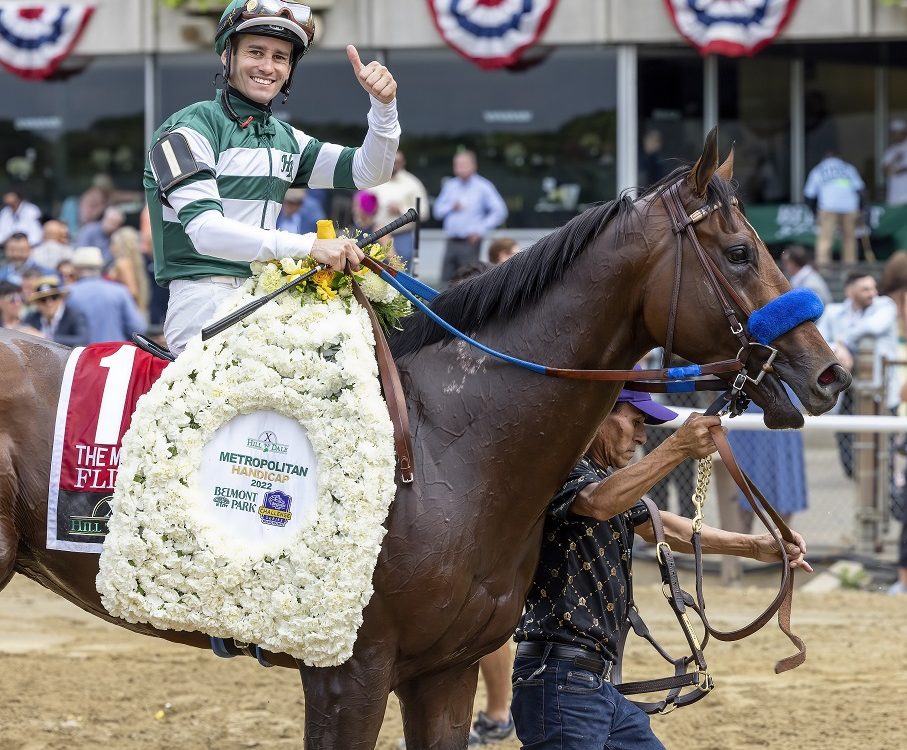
x=323, y=281
x=290, y=267
x=376, y=250
x=324, y=278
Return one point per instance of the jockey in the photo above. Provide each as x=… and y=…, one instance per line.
x=218, y=170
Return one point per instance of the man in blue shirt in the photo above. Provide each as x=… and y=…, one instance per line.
x=18, y=252
x=300, y=212
x=98, y=233
x=835, y=188
x=109, y=308
x=469, y=207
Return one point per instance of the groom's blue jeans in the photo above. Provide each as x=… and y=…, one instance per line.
x=557, y=706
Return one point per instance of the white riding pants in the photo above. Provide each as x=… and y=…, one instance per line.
x=192, y=305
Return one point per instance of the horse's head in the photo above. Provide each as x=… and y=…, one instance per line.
x=722, y=282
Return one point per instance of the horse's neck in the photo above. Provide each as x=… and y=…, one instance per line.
x=517, y=433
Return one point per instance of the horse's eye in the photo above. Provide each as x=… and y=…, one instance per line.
x=739, y=254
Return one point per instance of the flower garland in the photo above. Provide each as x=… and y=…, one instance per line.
x=313, y=362
x=390, y=306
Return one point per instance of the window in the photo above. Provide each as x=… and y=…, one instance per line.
x=754, y=112
x=64, y=132
x=544, y=135
x=670, y=109
x=839, y=100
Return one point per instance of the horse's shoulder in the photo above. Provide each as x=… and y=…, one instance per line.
x=29, y=365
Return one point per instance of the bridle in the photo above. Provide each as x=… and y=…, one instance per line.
x=709, y=377
x=683, y=225
x=686, y=687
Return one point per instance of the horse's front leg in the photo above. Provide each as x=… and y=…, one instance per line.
x=345, y=705
x=437, y=709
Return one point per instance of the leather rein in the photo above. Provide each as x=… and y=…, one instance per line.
x=693, y=377
x=699, y=680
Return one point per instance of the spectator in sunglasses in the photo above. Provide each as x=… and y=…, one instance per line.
x=55, y=319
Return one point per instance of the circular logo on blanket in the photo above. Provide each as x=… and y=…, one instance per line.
x=259, y=480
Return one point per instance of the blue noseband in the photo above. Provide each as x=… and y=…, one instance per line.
x=783, y=314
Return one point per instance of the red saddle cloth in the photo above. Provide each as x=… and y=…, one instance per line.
x=100, y=388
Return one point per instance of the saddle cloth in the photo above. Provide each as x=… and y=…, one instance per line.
x=100, y=388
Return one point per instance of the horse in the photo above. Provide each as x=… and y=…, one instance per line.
x=492, y=443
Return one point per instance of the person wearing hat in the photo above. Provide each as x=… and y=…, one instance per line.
x=894, y=162
x=57, y=320
x=217, y=171
x=108, y=306
x=11, y=309
x=567, y=639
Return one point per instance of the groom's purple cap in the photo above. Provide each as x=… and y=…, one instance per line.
x=655, y=412
x=642, y=400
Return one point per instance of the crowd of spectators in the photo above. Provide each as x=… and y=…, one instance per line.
x=86, y=274
x=97, y=288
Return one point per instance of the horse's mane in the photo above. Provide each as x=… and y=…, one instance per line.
x=504, y=290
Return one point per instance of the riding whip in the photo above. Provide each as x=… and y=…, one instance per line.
x=246, y=310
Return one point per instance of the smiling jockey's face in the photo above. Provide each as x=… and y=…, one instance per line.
x=260, y=66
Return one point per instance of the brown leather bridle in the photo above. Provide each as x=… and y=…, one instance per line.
x=699, y=681
x=682, y=224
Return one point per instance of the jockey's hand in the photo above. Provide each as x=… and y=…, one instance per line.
x=767, y=551
x=336, y=253
x=374, y=77
x=693, y=439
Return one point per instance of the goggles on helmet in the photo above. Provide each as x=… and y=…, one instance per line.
x=290, y=15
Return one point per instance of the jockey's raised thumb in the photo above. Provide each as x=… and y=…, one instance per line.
x=353, y=56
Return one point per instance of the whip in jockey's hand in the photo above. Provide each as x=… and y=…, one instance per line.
x=374, y=77
x=335, y=253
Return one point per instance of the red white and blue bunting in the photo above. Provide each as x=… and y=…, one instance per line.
x=733, y=28
x=35, y=38
x=491, y=33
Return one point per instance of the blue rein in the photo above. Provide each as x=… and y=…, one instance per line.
x=766, y=324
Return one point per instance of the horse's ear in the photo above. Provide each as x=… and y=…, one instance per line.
x=726, y=170
x=705, y=167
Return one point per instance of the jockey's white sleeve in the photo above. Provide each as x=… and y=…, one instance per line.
x=214, y=234
x=373, y=162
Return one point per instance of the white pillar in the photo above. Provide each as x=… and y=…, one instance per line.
x=709, y=94
x=627, y=118
x=151, y=97
x=797, y=131
x=880, y=134
x=150, y=36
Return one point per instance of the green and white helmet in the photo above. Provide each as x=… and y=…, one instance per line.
x=282, y=19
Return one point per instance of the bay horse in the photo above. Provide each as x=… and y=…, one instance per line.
x=492, y=443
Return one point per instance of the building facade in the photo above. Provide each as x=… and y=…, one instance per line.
x=609, y=99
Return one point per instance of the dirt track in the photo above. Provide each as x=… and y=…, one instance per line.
x=71, y=682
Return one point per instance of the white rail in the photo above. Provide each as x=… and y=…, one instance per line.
x=824, y=423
